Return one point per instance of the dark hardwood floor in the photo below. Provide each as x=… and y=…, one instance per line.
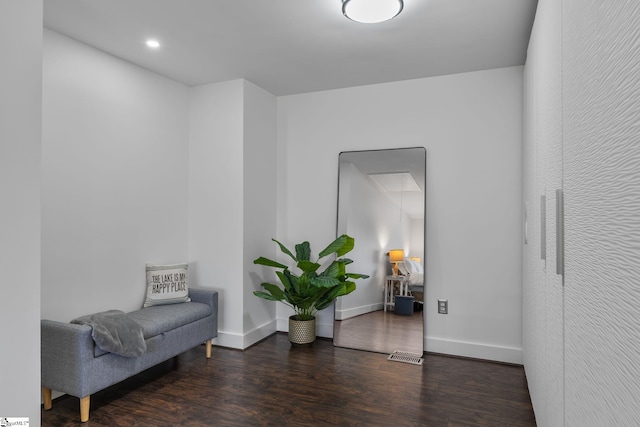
x=273, y=384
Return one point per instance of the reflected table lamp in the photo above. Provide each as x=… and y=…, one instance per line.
x=396, y=256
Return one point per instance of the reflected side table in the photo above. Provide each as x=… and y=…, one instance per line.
x=389, y=284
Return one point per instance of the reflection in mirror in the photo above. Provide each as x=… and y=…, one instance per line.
x=381, y=203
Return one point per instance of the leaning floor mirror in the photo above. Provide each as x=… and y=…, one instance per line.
x=381, y=203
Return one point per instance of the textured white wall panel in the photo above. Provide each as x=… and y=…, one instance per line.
x=532, y=345
x=549, y=138
x=601, y=41
x=543, y=303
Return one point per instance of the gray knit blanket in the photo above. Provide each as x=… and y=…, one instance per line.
x=115, y=332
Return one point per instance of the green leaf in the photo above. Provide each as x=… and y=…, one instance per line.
x=336, y=269
x=269, y=263
x=284, y=249
x=347, y=247
x=274, y=292
x=348, y=288
x=357, y=276
x=265, y=295
x=324, y=281
x=285, y=279
x=329, y=297
x=308, y=266
x=340, y=246
x=303, y=252
x=297, y=283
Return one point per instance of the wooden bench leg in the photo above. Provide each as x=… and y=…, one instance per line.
x=208, y=349
x=84, y=408
x=46, y=398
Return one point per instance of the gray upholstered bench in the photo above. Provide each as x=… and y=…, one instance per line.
x=73, y=364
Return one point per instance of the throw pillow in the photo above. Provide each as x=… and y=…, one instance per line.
x=167, y=284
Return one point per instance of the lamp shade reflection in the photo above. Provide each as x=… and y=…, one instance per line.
x=396, y=256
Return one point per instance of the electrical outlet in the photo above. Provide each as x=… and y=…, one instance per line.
x=443, y=306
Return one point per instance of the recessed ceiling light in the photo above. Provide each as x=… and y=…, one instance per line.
x=371, y=11
x=153, y=44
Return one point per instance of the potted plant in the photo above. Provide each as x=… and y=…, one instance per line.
x=310, y=290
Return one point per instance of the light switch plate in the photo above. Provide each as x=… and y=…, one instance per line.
x=443, y=306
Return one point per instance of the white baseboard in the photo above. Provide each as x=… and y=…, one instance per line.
x=231, y=340
x=433, y=345
x=242, y=341
x=474, y=350
x=324, y=330
x=259, y=333
x=283, y=325
x=357, y=311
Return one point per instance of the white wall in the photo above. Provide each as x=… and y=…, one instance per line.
x=260, y=209
x=470, y=125
x=232, y=195
x=138, y=168
x=20, y=144
x=114, y=170
x=215, y=200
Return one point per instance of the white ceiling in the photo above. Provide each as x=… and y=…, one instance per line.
x=297, y=46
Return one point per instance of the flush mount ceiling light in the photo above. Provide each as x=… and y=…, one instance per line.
x=371, y=11
x=154, y=44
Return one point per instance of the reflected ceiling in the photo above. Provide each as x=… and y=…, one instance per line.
x=380, y=162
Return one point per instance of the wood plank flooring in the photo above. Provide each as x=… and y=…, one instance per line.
x=273, y=384
x=380, y=331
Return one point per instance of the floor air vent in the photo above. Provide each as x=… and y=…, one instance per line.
x=403, y=356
